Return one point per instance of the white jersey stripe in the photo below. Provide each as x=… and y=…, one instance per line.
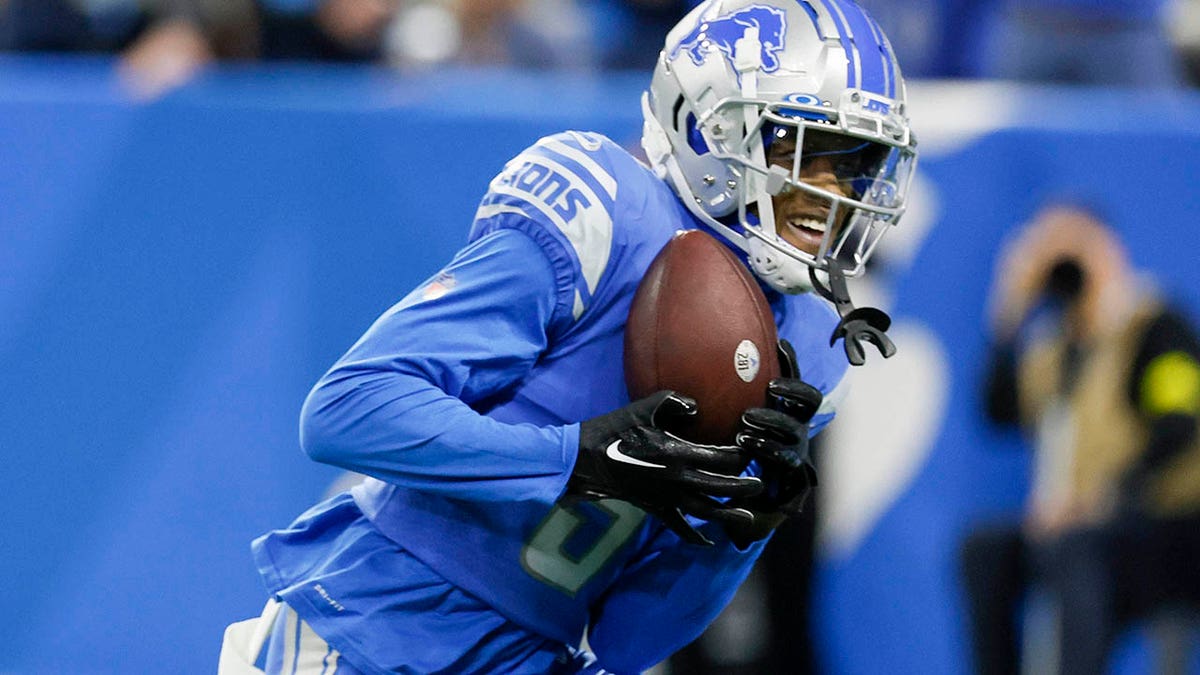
x=577, y=307
x=577, y=233
x=589, y=231
x=603, y=177
x=489, y=210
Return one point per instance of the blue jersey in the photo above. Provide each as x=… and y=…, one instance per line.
x=462, y=403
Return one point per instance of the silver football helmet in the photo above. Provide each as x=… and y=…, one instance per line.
x=746, y=95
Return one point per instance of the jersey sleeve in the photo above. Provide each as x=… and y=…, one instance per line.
x=666, y=598
x=562, y=193
x=401, y=405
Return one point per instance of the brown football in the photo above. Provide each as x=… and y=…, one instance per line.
x=700, y=325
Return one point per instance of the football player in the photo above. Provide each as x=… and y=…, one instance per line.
x=497, y=529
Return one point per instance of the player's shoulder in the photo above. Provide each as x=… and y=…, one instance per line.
x=576, y=194
x=589, y=159
x=594, y=152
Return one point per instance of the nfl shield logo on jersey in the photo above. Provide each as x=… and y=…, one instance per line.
x=439, y=286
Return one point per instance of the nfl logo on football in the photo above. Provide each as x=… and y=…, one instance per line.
x=745, y=360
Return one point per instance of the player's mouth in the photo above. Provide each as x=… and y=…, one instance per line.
x=807, y=231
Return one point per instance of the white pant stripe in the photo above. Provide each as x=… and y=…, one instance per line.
x=278, y=643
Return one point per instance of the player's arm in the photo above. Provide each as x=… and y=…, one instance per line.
x=397, y=405
x=1165, y=388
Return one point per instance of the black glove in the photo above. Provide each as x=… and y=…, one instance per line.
x=629, y=455
x=778, y=438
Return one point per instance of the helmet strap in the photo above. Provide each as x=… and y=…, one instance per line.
x=857, y=324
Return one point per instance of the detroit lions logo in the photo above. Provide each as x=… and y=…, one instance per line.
x=724, y=31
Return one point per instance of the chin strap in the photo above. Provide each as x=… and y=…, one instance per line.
x=857, y=324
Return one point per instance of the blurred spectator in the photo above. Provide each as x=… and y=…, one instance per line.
x=628, y=33
x=226, y=26
x=920, y=22
x=179, y=36
x=327, y=30
x=933, y=38
x=1100, y=42
x=541, y=34
x=1104, y=377
x=1183, y=25
x=164, y=41
x=228, y=29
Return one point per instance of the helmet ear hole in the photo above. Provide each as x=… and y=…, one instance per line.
x=675, y=113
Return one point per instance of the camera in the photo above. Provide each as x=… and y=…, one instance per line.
x=1064, y=281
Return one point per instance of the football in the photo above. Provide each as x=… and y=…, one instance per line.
x=701, y=326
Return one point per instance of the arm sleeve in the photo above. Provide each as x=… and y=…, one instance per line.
x=1165, y=388
x=402, y=404
x=666, y=598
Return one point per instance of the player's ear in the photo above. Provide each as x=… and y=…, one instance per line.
x=787, y=359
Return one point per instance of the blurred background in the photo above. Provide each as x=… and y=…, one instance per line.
x=203, y=203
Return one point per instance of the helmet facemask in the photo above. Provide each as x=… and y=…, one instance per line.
x=837, y=224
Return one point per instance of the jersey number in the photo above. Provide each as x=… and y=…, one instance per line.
x=545, y=556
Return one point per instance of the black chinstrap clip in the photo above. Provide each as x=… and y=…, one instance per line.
x=858, y=324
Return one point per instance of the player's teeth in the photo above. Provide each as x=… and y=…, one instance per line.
x=808, y=224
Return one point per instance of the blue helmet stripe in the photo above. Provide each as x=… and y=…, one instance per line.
x=812, y=15
x=889, y=59
x=871, y=54
x=848, y=46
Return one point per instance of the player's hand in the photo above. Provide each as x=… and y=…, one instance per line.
x=790, y=394
x=1058, y=232
x=777, y=437
x=628, y=454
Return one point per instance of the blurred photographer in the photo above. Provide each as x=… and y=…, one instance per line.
x=1103, y=377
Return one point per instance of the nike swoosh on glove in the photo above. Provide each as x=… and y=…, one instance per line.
x=630, y=454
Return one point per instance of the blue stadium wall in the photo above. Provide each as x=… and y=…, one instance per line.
x=175, y=274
